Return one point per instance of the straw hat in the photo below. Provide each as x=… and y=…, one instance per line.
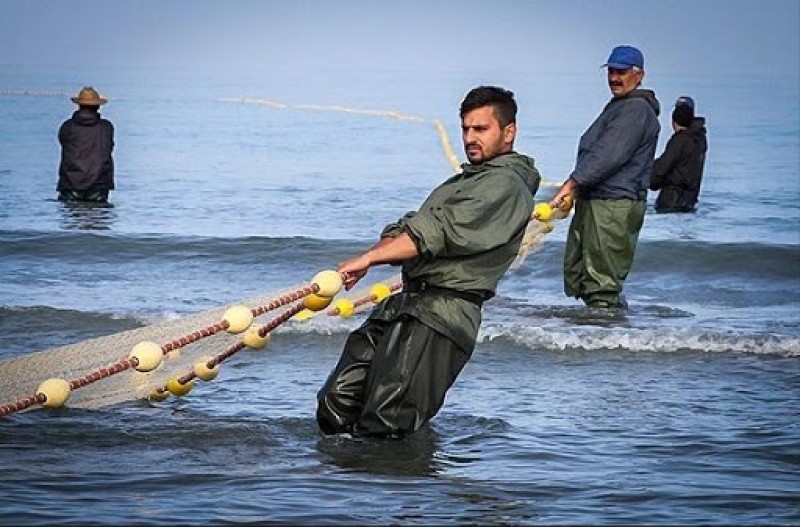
x=88, y=96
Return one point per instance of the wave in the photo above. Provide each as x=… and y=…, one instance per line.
x=46, y=317
x=583, y=338
x=55, y=327
x=641, y=340
x=692, y=258
x=91, y=247
x=714, y=259
x=28, y=329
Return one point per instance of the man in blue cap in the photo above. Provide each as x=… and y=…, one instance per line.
x=610, y=182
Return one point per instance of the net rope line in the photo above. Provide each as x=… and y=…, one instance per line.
x=12, y=366
x=19, y=375
x=539, y=226
x=34, y=93
x=343, y=307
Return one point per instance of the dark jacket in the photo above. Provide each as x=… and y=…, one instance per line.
x=679, y=170
x=87, y=141
x=468, y=232
x=615, y=154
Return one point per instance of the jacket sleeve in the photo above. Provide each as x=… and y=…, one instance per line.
x=111, y=149
x=395, y=229
x=111, y=134
x=666, y=163
x=486, y=217
x=62, y=133
x=616, y=146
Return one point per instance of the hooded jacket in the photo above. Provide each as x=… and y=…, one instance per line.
x=87, y=141
x=679, y=171
x=615, y=154
x=468, y=232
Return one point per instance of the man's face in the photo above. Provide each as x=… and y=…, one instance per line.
x=622, y=82
x=483, y=136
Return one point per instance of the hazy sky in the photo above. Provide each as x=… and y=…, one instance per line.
x=677, y=36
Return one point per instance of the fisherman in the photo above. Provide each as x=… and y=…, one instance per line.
x=679, y=171
x=86, y=172
x=396, y=368
x=611, y=178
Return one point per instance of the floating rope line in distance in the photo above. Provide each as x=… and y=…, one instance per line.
x=332, y=108
x=33, y=93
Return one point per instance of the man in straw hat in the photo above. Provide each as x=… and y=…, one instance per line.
x=86, y=172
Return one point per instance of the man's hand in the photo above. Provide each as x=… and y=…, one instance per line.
x=567, y=188
x=353, y=270
x=387, y=250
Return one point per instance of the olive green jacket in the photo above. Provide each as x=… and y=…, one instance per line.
x=468, y=232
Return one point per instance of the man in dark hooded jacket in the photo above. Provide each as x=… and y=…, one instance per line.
x=396, y=368
x=679, y=171
x=86, y=172
x=610, y=180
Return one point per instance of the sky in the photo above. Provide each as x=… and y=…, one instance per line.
x=702, y=37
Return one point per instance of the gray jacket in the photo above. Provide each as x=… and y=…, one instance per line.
x=615, y=155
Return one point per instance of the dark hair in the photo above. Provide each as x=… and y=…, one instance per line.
x=683, y=115
x=498, y=98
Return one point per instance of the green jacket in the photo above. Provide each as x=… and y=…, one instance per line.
x=468, y=232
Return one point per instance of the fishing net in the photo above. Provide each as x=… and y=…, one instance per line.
x=90, y=364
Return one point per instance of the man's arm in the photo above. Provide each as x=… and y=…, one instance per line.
x=62, y=133
x=664, y=164
x=387, y=250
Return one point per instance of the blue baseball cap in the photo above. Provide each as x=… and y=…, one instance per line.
x=685, y=100
x=624, y=58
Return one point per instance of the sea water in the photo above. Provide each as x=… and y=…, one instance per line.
x=683, y=409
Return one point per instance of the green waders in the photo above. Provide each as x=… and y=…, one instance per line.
x=391, y=379
x=600, y=248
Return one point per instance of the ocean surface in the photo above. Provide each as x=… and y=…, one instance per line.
x=683, y=409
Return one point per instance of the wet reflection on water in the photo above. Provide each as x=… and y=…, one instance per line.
x=410, y=456
x=87, y=215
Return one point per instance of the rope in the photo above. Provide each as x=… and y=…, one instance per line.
x=536, y=231
x=363, y=300
x=268, y=328
x=332, y=108
x=33, y=93
x=178, y=343
x=451, y=156
x=235, y=348
x=20, y=405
